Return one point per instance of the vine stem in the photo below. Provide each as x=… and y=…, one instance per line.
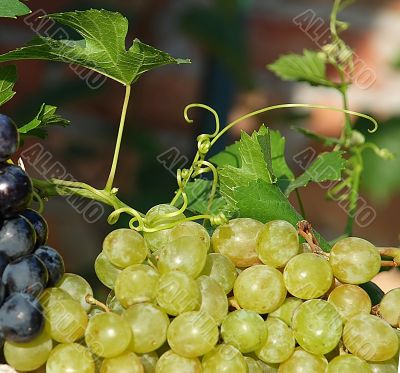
x=110, y=180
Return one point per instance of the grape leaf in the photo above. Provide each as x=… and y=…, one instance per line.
x=228, y=156
x=102, y=48
x=309, y=67
x=13, y=8
x=281, y=169
x=45, y=117
x=8, y=77
x=327, y=166
x=264, y=202
x=198, y=193
x=326, y=140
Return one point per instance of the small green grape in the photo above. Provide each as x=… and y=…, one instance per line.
x=260, y=288
x=170, y=362
x=136, y=284
x=348, y=363
x=106, y=272
x=354, y=260
x=244, y=330
x=303, y=361
x=277, y=243
x=149, y=361
x=128, y=362
x=286, y=310
x=388, y=366
x=192, y=334
x=71, y=358
x=389, y=307
x=224, y=358
x=221, y=269
x=77, y=287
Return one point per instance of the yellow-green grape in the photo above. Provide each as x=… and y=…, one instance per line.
x=71, y=358
x=149, y=325
x=149, y=361
x=277, y=243
x=125, y=247
x=113, y=303
x=348, y=363
x=170, y=362
x=354, y=260
x=128, y=362
x=66, y=320
x=244, y=330
x=155, y=218
x=28, y=356
x=303, y=361
x=260, y=288
x=190, y=229
x=51, y=295
x=370, y=338
x=286, y=310
x=238, y=241
x=105, y=271
x=350, y=300
x=280, y=342
x=221, y=269
x=136, y=284
x=178, y=293
x=224, y=358
x=213, y=298
x=77, y=287
x=317, y=326
x=108, y=334
x=192, y=334
x=252, y=365
x=308, y=276
x=389, y=307
x=187, y=254
x=388, y=366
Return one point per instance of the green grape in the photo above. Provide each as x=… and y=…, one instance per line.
x=108, y=334
x=105, y=271
x=213, y=298
x=178, y=293
x=28, y=356
x=149, y=361
x=354, y=260
x=277, y=243
x=71, y=358
x=370, y=338
x=252, y=365
x=302, y=361
x=190, y=229
x=187, y=254
x=224, y=358
x=221, y=269
x=113, y=303
x=192, y=334
x=244, y=330
x=317, y=326
x=136, y=284
x=260, y=288
x=238, y=241
x=348, y=363
x=125, y=247
x=389, y=308
x=286, y=310
x=149, y=327
x=267, y=367
x=280, y=342
x=350, y=300
x=77, y=287
x=155, y=217
x=51, y=295
x=128, y=362
x=308, y=276
x=66, y=320
x=388, y=366
x=170, y=362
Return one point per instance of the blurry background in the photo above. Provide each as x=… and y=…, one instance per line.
x=229, y=43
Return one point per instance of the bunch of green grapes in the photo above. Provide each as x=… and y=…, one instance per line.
x=248, y=299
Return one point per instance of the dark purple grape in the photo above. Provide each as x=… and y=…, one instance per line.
x=9, y=137
x=3, y=262
x=26, y=275
x=15, y=191
x=17, y=237
x=2, y=293
x=21, y=318
x=54, y=263
x=39, y=224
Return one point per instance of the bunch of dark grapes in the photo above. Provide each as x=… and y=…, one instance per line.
x=27, y=264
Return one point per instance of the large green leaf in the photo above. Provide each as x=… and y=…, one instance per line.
x=8, y=76
x=228, y=156
x=326, y=167
x=308, y=67
x=46, y=116
x=102, y=48
x=281, y=169
x=13, y=8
